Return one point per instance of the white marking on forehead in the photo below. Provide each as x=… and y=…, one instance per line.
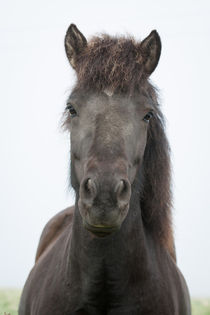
x=108, y=92
x=128, y=129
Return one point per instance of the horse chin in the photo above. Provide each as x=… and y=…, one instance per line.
x=100, y=230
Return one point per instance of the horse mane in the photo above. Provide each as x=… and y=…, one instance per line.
x=117, y=64
x=156, y=198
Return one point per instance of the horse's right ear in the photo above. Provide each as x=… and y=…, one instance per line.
x=75, y=42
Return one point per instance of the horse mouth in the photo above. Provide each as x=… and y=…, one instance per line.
x=100, y=230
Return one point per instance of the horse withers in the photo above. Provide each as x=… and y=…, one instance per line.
x=113, y=252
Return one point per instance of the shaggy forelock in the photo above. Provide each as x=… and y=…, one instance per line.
x=115, y=63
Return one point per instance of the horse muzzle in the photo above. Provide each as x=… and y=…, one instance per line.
x=104, y=204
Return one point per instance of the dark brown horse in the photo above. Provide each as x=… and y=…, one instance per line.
x=113, y=252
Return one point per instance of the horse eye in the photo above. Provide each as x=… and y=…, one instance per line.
x=148, y=116
x=71, y=109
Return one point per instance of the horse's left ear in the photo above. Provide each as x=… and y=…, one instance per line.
x=75, y=42
x=151, y=48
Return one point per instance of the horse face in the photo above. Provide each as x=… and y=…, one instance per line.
x=108, y=130
x=108, y=139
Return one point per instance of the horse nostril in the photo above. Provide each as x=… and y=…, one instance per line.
x=88, y=189
x=123, y=191
x=87, y=185
x=121, y=187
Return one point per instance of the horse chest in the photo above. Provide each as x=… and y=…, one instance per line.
x=114, y=290
x=105, y=291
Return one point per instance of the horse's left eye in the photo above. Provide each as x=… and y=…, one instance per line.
x=148, y=116
x=71, y=109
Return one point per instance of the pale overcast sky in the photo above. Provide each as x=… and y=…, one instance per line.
x=35, y=80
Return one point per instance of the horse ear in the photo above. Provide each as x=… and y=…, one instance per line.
x=75, y=42
x=151, y=48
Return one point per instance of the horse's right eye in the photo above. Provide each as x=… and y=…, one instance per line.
x=71, y=109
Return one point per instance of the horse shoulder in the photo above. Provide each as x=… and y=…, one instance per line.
x=53, y=229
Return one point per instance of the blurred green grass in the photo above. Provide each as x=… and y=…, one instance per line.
x=9, y=299
x=200, y=306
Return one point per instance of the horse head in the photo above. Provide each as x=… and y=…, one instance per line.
x=108, y=114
